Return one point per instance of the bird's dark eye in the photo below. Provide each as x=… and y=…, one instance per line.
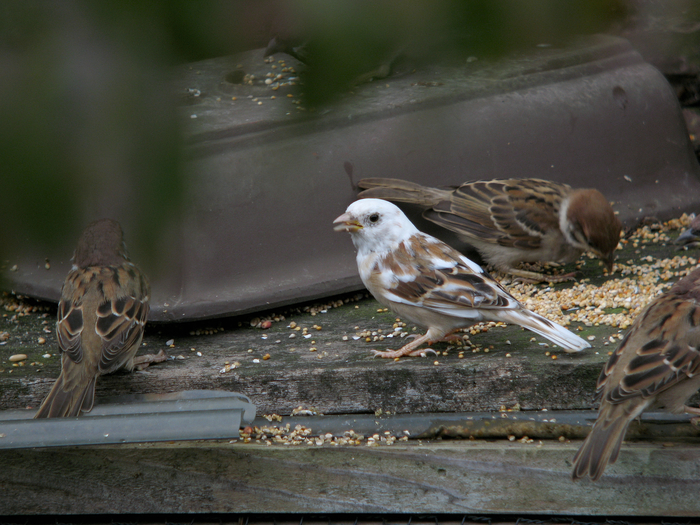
x=374, y=217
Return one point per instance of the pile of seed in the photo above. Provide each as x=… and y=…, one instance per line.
x=618, y=301
x=19, y=306
x=301, y=435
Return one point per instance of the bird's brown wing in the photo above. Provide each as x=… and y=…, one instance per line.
x=657, y=367
x=70, y=325
x=75, y=386
x=121, y=317
x=510, y=212
x=651, y=366
x=659, y=352
x=432, y=274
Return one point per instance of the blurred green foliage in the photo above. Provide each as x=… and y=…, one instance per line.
x=89, y=125
x=348, y=39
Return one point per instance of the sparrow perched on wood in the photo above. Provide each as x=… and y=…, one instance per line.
x=424, y=280
x=691, y=236
x=511, y=221
x=101, y=316
x=657, y=365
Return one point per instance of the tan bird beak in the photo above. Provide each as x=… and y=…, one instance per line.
x=346, y=223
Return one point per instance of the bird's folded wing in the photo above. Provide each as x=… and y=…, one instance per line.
x=442, y=279
x=120, y=325
x=535, y=205
x=467, y=211
x=666, y=341
x=512, y=213
x=69, y=327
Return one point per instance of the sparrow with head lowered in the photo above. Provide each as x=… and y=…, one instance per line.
x=510, y=221
x=101, y=317
x=424, y=280
x=657, y=365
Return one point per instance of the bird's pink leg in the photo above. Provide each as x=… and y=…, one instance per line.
x=449, y=338
x=141, y=362
x=452, y=338
x=409, y=349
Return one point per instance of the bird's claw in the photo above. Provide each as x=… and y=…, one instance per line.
x=422, y=352
x=142, y=362
x=388, y=354
x=381, y=353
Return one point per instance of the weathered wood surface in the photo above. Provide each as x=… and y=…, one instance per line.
x=340, y=376
x=439, y=477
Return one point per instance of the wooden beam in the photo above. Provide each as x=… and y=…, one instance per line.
x=440, y=477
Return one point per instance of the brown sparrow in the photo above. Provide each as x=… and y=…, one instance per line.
x=424, y=280
x=101, y=316
x=657, y=365
x=511, y=221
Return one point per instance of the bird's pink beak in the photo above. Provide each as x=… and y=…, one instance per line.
x=346, y=223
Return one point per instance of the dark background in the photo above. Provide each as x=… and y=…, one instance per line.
x=86, y=100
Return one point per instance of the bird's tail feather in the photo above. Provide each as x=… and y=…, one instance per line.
x=556, y=333
x=397, y=190
x=67, y=403
x=602, y=445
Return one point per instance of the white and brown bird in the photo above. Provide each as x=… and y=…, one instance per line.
x=101, y=316
x=424, y=280
x=510, y=221
x=657, y=365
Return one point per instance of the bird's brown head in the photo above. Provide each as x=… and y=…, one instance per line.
x=100, y=244
x=594, y=224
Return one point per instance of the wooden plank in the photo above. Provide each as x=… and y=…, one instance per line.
x=340, y=376
x=441, y=477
